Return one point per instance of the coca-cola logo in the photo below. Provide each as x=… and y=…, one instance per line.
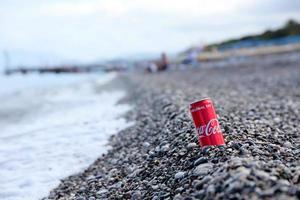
x=211, y=128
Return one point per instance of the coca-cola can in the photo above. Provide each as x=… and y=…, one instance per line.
x=207, y=125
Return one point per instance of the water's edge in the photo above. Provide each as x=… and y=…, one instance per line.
x=51, y=133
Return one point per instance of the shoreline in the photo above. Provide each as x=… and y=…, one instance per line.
x=53, y=130
x=159, y=158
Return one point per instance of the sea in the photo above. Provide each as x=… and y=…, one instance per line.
x=53, y=126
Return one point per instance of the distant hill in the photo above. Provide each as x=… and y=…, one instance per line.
x=290, y=30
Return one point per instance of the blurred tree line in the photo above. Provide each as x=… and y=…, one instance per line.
x=289, y=29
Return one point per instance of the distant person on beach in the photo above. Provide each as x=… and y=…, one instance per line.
x=159, y=65
x=164, y=62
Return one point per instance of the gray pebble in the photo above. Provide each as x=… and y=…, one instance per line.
x=179, y=175
x=287, y=144
x=192, y=145
x=203, y=169
x=200, y=161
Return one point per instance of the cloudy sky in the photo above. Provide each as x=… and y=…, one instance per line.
x=54, y=31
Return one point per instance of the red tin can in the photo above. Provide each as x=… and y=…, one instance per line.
x=206, y=123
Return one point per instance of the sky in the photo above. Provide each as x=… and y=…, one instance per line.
x=35, y=32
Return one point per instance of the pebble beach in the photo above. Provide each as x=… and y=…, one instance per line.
x=158, y=157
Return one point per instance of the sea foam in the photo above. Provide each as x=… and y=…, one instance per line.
x=54, y=130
